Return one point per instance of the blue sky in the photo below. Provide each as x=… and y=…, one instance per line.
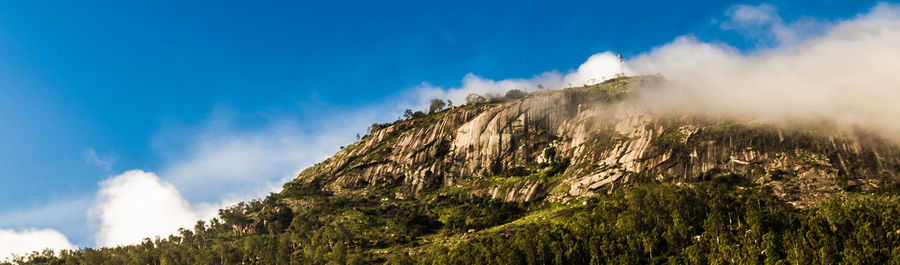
x=91, y=90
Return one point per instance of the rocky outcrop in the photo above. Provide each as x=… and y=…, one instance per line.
x=584, y=140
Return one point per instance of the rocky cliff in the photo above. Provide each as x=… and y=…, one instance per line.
x=579, y=141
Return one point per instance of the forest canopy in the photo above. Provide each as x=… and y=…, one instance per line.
x=712, y=222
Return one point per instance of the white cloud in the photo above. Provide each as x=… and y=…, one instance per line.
x=137, y=205
x=90, y=156
x=848, y=75
x=224, y=161
x=66, y=215
x=596, y=69
x=44, y=215
x=219, y=164
x=29, y=240
x=747, y=15
x=763, y=25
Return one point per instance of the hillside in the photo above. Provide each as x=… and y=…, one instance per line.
x=576, y=176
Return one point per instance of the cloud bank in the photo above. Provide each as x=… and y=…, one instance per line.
x=843, y=72
x=137, y=205
x=849, y=75
x=29, y=240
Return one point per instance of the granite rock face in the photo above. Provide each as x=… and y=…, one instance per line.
x=580, y=141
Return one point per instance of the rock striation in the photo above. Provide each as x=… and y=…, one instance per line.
x=580, y=141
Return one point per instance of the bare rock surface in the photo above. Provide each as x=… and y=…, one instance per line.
x=580, y=141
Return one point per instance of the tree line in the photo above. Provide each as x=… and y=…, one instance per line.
x=709, y=222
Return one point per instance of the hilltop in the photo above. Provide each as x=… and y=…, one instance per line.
x=581, y=141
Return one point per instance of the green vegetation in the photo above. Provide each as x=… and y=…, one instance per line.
x=719, y=221
x=458, y=216
x=610, y=90
x=711, y=223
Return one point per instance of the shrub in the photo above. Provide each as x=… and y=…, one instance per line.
x=475, y=99
x=514, y=94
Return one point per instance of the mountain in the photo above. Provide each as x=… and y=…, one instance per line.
x=579, y=141
x=575, y=176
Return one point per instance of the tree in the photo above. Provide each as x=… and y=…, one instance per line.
x=514, y=94
x=475, y=99
x=407, y=114
x=376, y=126
x=418, y=114
x=436, y=105
x=449, y=104
x=235, y=216
x=493, y=98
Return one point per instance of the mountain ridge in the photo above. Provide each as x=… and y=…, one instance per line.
x=606, y=142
